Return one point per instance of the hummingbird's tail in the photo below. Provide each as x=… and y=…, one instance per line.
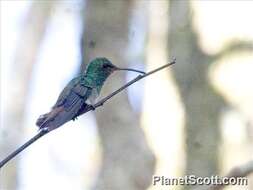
x=58, y=116
x=54, y=119
x=50, y=119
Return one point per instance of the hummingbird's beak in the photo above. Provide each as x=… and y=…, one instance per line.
x=128, y=69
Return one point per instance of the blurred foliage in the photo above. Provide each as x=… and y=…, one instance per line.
x=218, y=126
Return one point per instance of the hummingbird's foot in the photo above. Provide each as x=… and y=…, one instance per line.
x=44, y=130
x=92, y=107
x=75, y=118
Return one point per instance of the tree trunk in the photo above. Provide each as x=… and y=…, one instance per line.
x=24, y=59
x=202, y=104
x=127, y=162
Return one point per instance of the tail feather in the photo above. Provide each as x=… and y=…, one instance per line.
x=55, y=118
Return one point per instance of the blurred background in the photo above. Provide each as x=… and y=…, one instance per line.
x=194, y=118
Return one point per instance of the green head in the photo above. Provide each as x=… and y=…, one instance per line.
x=100, y=69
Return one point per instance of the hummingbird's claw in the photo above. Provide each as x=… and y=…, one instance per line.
x=75, y=118
x=92, y=107
x=44, y=130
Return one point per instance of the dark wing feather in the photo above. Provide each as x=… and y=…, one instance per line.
x=73, y=93
x=64, y=94
x=79, y=92
x=66, y=91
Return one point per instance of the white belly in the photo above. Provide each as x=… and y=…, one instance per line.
x=94, y=95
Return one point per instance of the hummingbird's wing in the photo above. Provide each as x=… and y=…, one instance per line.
x=76, y=97
x=67, y=107
x=66, y=91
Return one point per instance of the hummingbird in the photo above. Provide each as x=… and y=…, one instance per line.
x=80, y=92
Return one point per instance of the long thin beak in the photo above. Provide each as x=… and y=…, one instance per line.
x=128, y=69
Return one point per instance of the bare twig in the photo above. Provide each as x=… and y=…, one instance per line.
x=24, y=146
x=85, y=109
x=237, y=172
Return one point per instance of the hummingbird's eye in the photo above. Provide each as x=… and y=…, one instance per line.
x=105, y=66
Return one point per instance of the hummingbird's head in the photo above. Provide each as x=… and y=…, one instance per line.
x=101, y=68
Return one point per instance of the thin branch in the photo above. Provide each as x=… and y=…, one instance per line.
x=139, y=77
x=24, y=146
x=85, y=109
x=237, y=172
